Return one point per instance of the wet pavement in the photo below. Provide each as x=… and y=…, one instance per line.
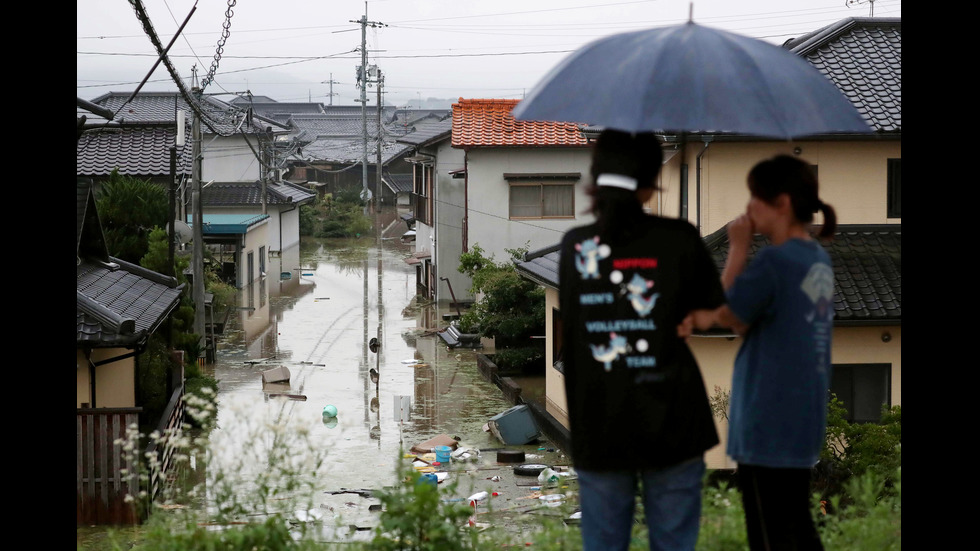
x=315, y=314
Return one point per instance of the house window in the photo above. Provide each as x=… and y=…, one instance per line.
x=542, y=200
x=863, y=389
x=894, y=188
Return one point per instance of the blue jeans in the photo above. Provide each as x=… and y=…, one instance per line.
x=671, y=501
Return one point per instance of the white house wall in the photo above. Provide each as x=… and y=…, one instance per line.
x=229, y=159
x=490, y=226
x=447, y=243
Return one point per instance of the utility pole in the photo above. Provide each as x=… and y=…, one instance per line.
x=362, y=82
x=377, y=187
x=198, y=256
x=331, y=82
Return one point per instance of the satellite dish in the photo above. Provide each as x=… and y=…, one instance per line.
x=182, y=232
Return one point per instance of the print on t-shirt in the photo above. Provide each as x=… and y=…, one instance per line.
x=587, y=257
x=635, y=289
x=608, y=354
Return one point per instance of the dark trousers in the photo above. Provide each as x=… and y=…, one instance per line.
x=777, y=509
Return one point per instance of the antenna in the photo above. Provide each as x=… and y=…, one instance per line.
x=871, y=7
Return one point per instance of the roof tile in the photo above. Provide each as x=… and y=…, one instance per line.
x=488, y=122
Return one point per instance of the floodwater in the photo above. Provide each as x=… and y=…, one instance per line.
x=316, y=313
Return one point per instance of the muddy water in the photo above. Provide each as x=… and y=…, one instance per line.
x=315, y=315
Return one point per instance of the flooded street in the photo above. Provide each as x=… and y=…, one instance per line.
x=315, y=315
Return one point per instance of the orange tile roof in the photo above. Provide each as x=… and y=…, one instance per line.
x=488, y=122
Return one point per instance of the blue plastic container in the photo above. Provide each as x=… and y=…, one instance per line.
x=442, y=454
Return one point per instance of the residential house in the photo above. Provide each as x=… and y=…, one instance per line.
x=119, y=306
x=334, y=147
x=437, y=202
x=236, y=146
x=281, y=201
x=860, y=175
x=519, y=184
x=240, y=150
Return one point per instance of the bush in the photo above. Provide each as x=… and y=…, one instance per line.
x=519, y=359
x=854, y=449
x=415, y=517
x=511, y=309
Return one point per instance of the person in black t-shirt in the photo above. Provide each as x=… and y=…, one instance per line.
x=638, y=411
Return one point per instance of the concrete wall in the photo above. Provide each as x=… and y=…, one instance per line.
x=447, y=243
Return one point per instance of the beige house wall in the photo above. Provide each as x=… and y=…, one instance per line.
x=853, y=178
x=716, y=358
x=851, y=345
x=115, y=382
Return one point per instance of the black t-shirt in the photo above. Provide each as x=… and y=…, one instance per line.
x=635, y=394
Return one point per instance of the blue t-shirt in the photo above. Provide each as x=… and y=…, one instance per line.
x=778, y=407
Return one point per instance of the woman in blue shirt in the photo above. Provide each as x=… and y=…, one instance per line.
x=782, y=304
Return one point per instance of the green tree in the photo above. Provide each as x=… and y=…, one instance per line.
x=129, y=208
x=156, y=360
x=510, y=310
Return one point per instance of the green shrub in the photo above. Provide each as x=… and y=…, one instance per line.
x=511, y=309
x=854, y=449
x=519, y=359
x=414, y=517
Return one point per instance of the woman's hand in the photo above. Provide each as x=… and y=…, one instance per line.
x=740, y=231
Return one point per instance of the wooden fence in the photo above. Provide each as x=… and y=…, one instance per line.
x=101, y=487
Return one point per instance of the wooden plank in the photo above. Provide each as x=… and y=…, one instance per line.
x=103, y=467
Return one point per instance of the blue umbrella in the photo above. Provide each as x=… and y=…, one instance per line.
x=690, y=78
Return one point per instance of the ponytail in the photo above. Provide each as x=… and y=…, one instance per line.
x=829, y=221
x=794, y=177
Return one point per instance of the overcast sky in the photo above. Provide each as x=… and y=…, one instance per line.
x=290, y=50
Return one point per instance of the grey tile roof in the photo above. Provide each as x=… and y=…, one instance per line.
x=399, y=183
x=161, y=107
x=118, y=304
x=867, y=263
x=429, y=131
x=541, y=266
x=250, y=193
x=863, y=57
x=138, y=140
x=276, y=109
x=135, y=150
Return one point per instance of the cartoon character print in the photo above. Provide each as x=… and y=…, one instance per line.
x=635, y=289
x=818, y=285
x=608, y=354
x=587, y=257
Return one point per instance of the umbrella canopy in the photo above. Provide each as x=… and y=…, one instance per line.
x=690, y=78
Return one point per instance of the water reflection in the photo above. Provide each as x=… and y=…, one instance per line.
x=318, y=322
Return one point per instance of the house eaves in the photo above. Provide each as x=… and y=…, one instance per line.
x=229, y=224
x=225, y=194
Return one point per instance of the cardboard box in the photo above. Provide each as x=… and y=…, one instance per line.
x=515, y=426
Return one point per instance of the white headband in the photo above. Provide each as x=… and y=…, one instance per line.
x=616, y=180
